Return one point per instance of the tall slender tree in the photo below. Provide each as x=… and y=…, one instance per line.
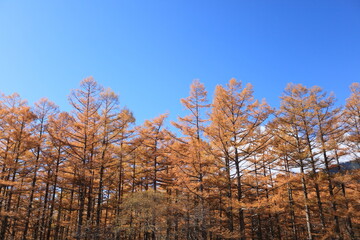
x=352, y=121
x=195, y=160
x=236, y=117
x=83, y=146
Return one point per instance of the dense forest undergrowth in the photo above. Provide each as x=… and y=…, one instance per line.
x=235, y=168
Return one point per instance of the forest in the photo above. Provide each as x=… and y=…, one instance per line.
x=232, y=168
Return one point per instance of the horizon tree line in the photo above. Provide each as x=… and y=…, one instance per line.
x=233, y=168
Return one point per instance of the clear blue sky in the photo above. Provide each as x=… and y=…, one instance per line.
x=150, y=51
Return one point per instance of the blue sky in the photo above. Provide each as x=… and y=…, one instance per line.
x=150, y=51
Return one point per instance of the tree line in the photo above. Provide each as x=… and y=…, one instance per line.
x=235, y=168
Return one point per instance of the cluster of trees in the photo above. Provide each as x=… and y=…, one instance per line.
x=233, y=169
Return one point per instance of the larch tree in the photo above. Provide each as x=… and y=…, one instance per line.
x=301, y=118
x=114, y=131
x=17, y=141
x=43, y=110
x=152, y=136
x=151, y=151
x=83, y=147
x=236, y=118
x=283, y=148
x=352, y=121
x=327, y=119
x=351, y=139
x=58, y=127
x=195, y=162
x=294, y=121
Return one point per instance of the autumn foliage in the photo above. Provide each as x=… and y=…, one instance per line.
x=232, y=168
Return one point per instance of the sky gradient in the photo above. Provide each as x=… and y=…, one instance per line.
x=150, y=51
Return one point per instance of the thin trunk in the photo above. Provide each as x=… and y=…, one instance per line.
x=330, y=184
x=349, y=226
x=57, y=227
x=82, y=194
x=68, y=218
x=306, y=202
x=317, y=189
x=44, y=211
x=5, y=224
x=259, y=225
x=229, y=210
x=54, y=193
x=33, y=183
x=332, y=199
x=291, y=201
x=99, y=202
x=239, y=196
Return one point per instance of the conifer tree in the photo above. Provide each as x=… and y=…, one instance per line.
x=352, y=121
x=17, y=142
x=83, y=144
x=236, y=117
x=195, y=160
x=43, y=110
